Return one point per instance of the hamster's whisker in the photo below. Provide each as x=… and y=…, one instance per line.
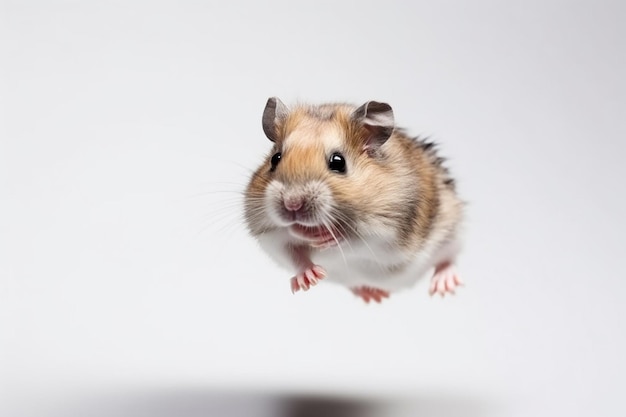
x=256, y=198
x=341, y=230
x=329, y=226
x=222, y=227
x=222, y=214
x=341, y=224
x=231, y=193
x=233, y=163
x=344, y=219
x=225, y=207
x=259, y=208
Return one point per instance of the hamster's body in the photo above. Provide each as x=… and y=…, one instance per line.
x=347, y=196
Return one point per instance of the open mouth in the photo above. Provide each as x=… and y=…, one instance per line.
x=318, y=235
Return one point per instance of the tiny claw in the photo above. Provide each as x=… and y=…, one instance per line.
x=304, y=280
x=445, y=280
x=368, y=294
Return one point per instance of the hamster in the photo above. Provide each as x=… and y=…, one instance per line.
x=346, y=196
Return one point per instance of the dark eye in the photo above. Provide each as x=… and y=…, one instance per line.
x=275, y=160
x=337, y=163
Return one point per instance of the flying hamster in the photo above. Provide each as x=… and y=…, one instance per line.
x=346, y=196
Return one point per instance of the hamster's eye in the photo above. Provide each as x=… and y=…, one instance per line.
x=337, y=163
x=275, y=160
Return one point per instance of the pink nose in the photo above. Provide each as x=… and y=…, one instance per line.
x=293, y=204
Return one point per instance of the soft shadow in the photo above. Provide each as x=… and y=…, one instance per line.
x=181, y=403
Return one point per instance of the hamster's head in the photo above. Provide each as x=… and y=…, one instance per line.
x=324, y=177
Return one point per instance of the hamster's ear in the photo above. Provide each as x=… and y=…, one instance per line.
x=377, y=118
x=274, y=115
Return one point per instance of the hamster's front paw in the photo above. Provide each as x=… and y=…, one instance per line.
x=445, y=279
x=307, y=278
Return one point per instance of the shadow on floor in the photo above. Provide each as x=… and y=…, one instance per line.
x=197, y=403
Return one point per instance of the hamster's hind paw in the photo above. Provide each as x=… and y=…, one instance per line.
x=307, y=278
x=369, y=293
x=445, y=279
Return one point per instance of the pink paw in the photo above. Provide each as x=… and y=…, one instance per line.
x=445, y=280
x=369, y=293
x=307, y=278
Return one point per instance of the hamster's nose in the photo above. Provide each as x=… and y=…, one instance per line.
x=294, y=203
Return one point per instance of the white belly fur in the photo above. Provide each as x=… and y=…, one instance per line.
x=355, y=264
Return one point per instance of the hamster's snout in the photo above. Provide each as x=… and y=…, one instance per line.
x=296, y=208
x=293, y=203
x=307, y=204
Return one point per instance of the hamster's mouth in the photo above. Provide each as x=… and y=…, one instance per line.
x=319, y=236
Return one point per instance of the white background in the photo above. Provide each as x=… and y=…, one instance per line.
x=129, y=129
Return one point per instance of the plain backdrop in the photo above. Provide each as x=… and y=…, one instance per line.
x=128, y=130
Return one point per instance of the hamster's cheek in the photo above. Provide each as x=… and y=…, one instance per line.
x=273, y=202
